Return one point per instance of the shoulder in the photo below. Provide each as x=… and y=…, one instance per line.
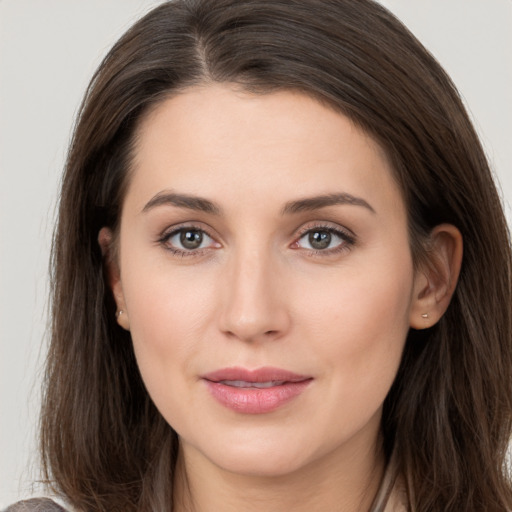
x=35, y=505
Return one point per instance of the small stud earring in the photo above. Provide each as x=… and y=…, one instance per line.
x=119, y=313
x=424, y=315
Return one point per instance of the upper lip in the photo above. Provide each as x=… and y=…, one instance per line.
x=264, y=374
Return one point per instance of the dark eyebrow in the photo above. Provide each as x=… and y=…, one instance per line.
x=300, y=205
x=182, y=201
x=317, y=202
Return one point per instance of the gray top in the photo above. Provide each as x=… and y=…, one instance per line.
x=35, y=505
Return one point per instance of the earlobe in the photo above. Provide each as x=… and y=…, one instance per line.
x=113, y=275
x=436, y=280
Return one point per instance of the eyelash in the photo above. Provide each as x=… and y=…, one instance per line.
x=348, y=240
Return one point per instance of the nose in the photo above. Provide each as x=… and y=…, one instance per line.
x=254, y=306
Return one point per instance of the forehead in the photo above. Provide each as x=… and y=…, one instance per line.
x=214, y=140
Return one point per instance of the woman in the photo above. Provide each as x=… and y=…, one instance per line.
x=281, y=273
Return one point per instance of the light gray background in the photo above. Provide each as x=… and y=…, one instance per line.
x=48, y=51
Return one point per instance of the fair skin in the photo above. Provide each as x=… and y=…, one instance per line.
x=324, y=289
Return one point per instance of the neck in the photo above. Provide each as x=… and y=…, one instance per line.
x=347, y=479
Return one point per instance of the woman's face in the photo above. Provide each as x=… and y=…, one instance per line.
x=265, y=277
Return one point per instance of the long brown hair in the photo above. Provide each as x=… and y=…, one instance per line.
x=448, y=416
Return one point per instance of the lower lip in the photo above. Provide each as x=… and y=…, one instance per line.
x=256, y=400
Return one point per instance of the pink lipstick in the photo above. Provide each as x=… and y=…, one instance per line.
x=255, y=391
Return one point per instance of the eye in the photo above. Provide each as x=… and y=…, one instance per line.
x=319, y=239
x=324, y=239
x=187, y=239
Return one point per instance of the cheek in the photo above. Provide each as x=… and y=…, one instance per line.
x=367, y=313
x=168, y=316
x=168, y=312
x=365, y=301
x=168, y=306
x=358, y=322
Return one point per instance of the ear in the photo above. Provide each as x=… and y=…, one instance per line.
x=113, y=275
x=435, y=281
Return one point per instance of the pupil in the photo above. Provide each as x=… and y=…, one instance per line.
x=320, y=239
x=191, y=239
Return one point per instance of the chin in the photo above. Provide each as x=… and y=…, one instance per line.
x=264, y=454
x=261, y=463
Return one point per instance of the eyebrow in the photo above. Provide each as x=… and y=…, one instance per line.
x=317, y=202
x=182, y=201
x=301, y=205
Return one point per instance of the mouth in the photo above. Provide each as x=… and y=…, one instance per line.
x=255, y=391
x=257, y=385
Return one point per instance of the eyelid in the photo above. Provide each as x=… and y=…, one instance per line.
x=327, y=226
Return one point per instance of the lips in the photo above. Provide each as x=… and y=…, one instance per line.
x=255, y=391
